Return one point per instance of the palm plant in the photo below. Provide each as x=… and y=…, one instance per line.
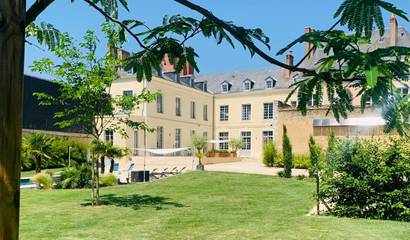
x=37, y=147
x=107, y=149
x=200, y=144
x=113, y=152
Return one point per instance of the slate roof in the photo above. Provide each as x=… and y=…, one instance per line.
x=236, y=79
x=377, y=41
x=258, y=76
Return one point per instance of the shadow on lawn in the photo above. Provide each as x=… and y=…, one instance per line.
x=135, y=201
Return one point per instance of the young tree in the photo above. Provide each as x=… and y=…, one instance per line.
x=236, y=144
x=372, y=71
x=200, y=144
x=315, y=157
x=269, y=154
x=287, y=154
x=37, y=147
x=85, y=81
x=331, y=155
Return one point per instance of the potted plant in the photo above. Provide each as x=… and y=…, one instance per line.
x=235, y=145
x=199, y=143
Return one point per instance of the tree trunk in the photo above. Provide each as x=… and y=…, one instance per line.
x=112, y=165
x=12, y=22
x=102, y=164
x=37, y=163
x=97, y=185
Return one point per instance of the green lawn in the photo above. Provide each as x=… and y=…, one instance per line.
x=32, y=173
x=194, y=206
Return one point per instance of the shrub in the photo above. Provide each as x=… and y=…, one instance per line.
x=281, y=174
x=59, y=150
x=236, y=144
x=108, y=180
x=331, y=155
x=287, y=154
x=315, y=157
x=372, y=179
x=269, y=154
x=300, y=177
x=299, y=161
x=44, y=180
x=76, y=177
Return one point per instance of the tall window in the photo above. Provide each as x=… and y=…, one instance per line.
x=205, y=112
x=177, y=137
x=205, y=135
x=246, y=112
x=247, y=85
x=225, y=87
x=246, y=139
x=160, y=108
x=127, y=93
x=224, y=113
x=135, y=145
x=268, y=111
x=193, y=110
x=160, y=137
x=109, y=135
x=267, y=136
x=224, y=138
x=178, y=106
x=269, y=83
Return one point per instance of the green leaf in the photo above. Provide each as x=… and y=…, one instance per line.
x=371, y=76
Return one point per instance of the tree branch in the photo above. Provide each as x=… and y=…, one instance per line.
x=36, y=9
x=114, y=20
x=314, y=48
x=239, y=36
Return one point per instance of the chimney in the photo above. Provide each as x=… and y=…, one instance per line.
x=308, y=46
x=167, y=66
x=289, y=61
x=393, y=30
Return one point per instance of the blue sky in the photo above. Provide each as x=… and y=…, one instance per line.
x=282, y=21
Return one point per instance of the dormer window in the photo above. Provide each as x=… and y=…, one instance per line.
x=225, y=87
x=270, y=83
x=247, y=85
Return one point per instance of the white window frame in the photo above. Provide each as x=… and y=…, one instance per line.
x=205, y=112
x=177, y=137
x=160, y=104
x=160, y=137
x=246, y=114
x=225, y=87
x=193, y=111
x=224, y=113
x=223, y=136
x=267, y=136
x=109, y=135
x=246, y=137
x=270, y=80
x=268, y=111
x=127, y=93
x=247, y=85
x=178, y=107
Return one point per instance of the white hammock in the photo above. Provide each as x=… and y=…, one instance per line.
x=163, y=151
x=217, y=141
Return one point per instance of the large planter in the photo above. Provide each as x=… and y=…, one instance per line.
x=200, y=167
x=233, y=154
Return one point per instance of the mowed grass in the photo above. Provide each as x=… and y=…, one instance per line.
x=194, y=206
